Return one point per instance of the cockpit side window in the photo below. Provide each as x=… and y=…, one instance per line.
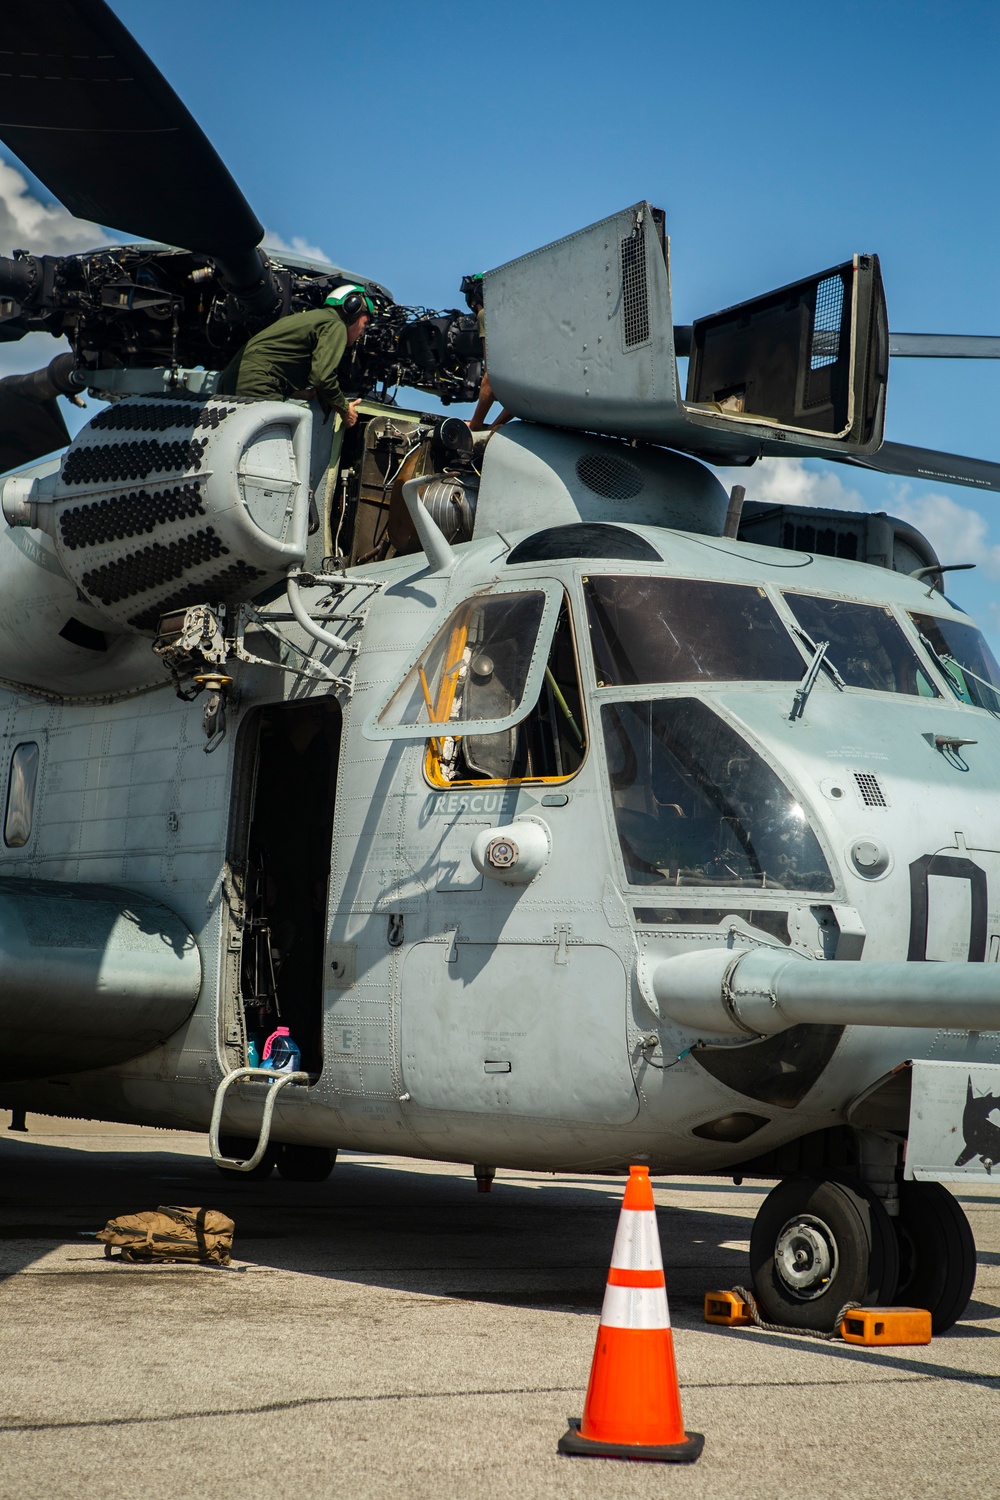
x=481, y=670
x=547, y=745
x=866, y=645
x=695, y=805
x=686, y=630
x=964, y=657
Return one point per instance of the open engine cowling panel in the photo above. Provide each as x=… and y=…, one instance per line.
x=580, y=334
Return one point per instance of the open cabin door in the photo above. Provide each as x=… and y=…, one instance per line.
x=281, y=838
x=810, y=358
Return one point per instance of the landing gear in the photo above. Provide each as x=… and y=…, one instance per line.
x=305, y=1163
x=816, y=1245
x=937, y=1254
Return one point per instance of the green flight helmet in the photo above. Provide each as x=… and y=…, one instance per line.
x=350, y=301
x=472, y=291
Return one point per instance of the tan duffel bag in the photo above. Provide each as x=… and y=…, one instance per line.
x=171, y=1233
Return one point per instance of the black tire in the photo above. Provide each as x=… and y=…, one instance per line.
x=241, y=1149
x=816, y=1245
x=305, y=1163
x=937, y=1253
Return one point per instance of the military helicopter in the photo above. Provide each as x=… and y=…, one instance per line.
x=568, y=811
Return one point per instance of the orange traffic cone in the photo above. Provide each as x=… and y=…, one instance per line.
x=633, y=1405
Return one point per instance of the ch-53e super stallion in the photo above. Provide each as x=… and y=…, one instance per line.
x=568, y=813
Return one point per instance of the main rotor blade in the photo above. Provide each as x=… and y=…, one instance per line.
x=86, y=110
x=28, y=429
x=901, y=345
x=944, y=346
x=926, y=463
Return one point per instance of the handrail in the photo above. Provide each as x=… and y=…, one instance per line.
x=278, y=1081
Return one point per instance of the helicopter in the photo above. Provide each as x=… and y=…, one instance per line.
x=567, y=810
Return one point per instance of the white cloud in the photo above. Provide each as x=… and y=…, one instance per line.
x=956, y=532
x=787, y=481
x=28, y=224
x=297, y=246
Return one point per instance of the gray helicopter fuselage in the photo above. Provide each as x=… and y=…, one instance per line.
x=469, y=1012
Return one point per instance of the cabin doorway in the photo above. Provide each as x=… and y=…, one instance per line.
x=294, y=748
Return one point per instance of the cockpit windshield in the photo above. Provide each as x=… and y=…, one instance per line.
x=686, y=630
x=695, y=805
x=964, y=657
x=865, y=644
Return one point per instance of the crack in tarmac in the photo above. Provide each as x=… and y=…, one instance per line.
x=304, y=1402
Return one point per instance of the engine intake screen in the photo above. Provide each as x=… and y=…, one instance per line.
x=686, y=630
x=695, y=805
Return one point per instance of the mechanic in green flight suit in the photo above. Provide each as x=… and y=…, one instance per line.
x=299, y=355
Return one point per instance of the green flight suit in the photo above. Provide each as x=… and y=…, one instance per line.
x=301, y=350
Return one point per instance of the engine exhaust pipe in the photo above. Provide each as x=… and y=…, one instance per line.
x=760, y=992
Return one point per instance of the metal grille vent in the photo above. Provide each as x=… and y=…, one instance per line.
x=159, y=417
x=606, y=474
x=106, y=463
x=153, y=566
x=635, y=293
x=121, y=516
x=826, y=323
x=870, y=789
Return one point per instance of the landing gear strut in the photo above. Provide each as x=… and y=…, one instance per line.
x=816, y=1245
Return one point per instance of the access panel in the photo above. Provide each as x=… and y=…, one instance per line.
x=811, y=357
x=530, y=1029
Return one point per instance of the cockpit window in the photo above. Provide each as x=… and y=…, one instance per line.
x=696, y=806
x=865, y=644
x=964, y=657
x=484, y=667
x=548, y=745
x=686, y=630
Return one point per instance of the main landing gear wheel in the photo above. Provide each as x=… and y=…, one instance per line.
x=816, y=1245
x=937, y=1253
x=241, y=1149
x=305, y=1163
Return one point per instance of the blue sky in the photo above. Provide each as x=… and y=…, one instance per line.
x=415, y=142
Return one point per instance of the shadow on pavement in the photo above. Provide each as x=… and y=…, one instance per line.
x=419, y=1231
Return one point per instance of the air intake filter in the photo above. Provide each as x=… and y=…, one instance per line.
x=162, y=502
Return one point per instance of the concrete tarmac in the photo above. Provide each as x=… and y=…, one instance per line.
x=393, y=1333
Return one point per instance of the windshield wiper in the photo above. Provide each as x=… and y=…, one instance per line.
x=958, y=684
x=805, y=687
x=822, y=648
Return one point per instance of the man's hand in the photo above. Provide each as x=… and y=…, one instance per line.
x=351, y=414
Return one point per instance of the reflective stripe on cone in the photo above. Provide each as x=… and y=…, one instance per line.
x=633, y=1406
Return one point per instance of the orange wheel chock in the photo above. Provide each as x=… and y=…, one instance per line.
x=887, y=1325
x=726, y=1308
